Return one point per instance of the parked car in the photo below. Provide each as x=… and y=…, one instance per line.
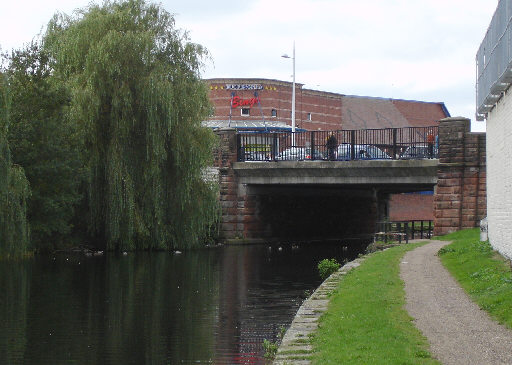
x=299, y=154
x=418, y=152
x=362, y=152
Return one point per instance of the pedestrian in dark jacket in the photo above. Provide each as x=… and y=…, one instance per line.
x=331, y=144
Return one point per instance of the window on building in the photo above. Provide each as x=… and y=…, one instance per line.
x=309, y=116
x=274, y=112
x=246, y=111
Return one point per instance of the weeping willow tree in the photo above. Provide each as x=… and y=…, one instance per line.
x=137, y=92
x=14, y=190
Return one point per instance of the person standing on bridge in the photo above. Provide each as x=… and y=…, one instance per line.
x=430, y=143
x=331, y=144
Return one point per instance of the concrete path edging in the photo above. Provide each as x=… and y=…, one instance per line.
x=295, y=347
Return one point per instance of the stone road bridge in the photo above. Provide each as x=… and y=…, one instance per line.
x=270, y=196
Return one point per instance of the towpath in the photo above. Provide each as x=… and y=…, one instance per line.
x=458, y=330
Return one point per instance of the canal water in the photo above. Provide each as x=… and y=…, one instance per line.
x=208, y=306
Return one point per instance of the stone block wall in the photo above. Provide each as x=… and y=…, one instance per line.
x=460, y=195
x=229, y=196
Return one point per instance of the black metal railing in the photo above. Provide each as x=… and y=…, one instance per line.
x=339, y=145
x=404, y=230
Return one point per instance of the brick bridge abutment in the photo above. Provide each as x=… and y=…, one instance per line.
x=460, y=199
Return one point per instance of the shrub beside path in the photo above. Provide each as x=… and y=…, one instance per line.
x=458, y=330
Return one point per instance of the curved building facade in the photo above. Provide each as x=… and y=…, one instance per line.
x=260, y=103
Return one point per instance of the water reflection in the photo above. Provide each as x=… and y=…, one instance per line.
x=206, y=306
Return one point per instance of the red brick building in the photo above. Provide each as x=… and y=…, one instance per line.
x=255, y=103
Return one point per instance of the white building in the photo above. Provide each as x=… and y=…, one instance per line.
x=494, y=104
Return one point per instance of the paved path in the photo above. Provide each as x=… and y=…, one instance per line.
x=458, y=331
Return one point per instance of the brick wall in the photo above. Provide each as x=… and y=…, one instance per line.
x=499, y=169
x=411, y=207
x=460, y=195
x=325, y=108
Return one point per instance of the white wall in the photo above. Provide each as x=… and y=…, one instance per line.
x=499, y=175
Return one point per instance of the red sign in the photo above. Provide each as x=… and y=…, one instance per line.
x=238, y=101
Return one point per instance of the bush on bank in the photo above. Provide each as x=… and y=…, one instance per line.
x=326, y=267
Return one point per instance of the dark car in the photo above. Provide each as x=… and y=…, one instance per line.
x=418, y=152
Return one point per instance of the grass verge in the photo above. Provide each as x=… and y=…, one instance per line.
x=366, y=322
x=484, y=274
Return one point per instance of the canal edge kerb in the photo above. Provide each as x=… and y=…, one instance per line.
x=295, y=347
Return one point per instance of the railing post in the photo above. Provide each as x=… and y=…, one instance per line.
x=273, y=152
x=312, y=137
x=394, y=143
x=352, y=144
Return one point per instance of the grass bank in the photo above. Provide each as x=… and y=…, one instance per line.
x=484, y=274
x=366, y=322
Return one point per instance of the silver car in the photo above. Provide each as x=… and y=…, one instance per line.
x=362, y=152
x=299, y=154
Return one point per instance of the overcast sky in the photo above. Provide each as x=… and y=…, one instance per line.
x=404, y=49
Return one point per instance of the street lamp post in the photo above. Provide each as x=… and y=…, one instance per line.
x=293, y=93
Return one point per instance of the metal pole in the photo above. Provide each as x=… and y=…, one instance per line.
x=293, y=91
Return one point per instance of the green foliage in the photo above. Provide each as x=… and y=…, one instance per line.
x=136, y=92
x=14, y=190
x=270, y=349
x=46, y=143
x=483, y=273
x=326, y=267
x=366, y=322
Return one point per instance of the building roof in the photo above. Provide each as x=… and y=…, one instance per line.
x=364, y=112
x=258, y=125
